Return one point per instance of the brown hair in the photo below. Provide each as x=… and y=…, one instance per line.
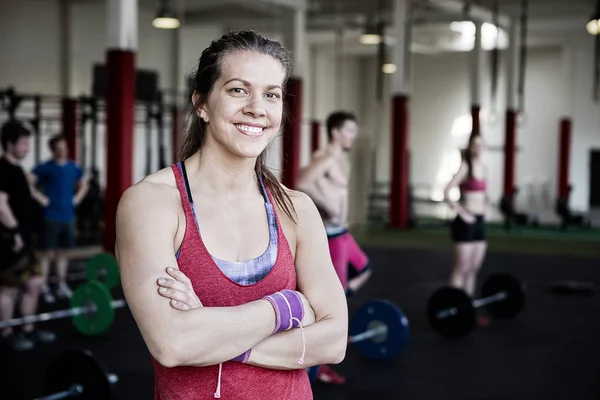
x=336, y=120
x=55, y=139
x=466, y=153
x=11, y=131
x=204, y=78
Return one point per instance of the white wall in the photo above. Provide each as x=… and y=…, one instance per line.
x=586, y=120
x=31, y=48
x=327, y=89
x=29, y=41
x=440, y=123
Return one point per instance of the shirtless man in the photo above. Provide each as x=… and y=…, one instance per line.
x=325, y=180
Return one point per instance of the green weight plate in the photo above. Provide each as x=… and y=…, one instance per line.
x=513, y=304
x=95, y=295
x=461, y=323
x=78, y=367
x=103, y=267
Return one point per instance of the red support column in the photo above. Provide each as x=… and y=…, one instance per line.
x=315, y=135
x=399, y=190
x=564, y=156
x=292, y=134
x=120, y=111
x=510, y=148
x=475, y=111
x=69, y=126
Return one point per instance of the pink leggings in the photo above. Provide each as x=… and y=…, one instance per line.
x=345, y=252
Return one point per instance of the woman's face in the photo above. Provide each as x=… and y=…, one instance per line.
x=244, y=109
x=476, y=147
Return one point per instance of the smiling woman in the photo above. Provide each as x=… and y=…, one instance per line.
x=256, y=299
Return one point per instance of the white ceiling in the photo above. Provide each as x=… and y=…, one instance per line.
x=549, y=20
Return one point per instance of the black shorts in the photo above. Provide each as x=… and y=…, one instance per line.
x=463, y=232
x=17, y=268
x=58, y=235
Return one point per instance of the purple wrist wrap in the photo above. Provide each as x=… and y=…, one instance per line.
x=289, y=310
x=243, y=358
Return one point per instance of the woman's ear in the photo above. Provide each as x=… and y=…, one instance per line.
x=201, y=110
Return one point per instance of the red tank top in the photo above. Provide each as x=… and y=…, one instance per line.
x=238, y=381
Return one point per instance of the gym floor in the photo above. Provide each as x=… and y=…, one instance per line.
x=545, y=353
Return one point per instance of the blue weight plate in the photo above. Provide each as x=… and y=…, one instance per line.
x=312, y=373
x=376, y=313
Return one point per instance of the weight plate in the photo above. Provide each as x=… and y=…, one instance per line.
x=96, y=295
x=513, y=304
x=312, y=373
x=80, y=367
x=376, y=313
x=103, y=267
x=461, y=322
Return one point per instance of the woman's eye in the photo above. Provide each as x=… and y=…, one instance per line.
x=273, y=95
x=238, y=91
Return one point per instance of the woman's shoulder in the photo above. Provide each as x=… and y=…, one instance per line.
x=155, y=190
x=304, y=206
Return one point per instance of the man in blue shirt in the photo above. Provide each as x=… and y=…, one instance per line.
x=62, y=182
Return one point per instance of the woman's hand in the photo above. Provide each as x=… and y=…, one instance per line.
x=467, y=217
x=179, y=290
x=309, y=313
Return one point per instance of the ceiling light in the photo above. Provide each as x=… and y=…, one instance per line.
x=166, y=18
x=593, y=26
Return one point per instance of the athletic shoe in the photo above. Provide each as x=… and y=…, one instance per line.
x=18, y=341
x=48, y=296
x=40, y=336
x=483, y=321
x=64, y=291
x=327, y=375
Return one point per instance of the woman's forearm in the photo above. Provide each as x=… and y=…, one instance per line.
x=326, y=343
x=211, y=335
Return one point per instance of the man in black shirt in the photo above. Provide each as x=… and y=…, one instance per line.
x=19, y=267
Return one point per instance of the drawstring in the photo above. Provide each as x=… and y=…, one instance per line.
x=301, y=359
x=218, y=392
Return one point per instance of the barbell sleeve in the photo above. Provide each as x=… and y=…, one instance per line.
x=476, y=304
x=52, y=315
x=490, y=299
x=367, y=334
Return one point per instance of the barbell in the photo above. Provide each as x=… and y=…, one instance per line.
x=451, y=312
x=77, y=374
x=378, y=330
x=102, y=267
x=92, y=310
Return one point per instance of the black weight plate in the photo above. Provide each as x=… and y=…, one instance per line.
x=513, y=304
x=78, y=367
x=453, y=326
x=380, y=312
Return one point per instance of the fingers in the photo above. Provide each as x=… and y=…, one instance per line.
x=179, y=305
x=173, y=284
x=178, y=275
x=179, y=299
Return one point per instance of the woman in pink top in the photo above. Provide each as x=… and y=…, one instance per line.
x=468, y=228
x=266, y=300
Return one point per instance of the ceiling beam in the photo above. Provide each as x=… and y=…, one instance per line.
x=477, y=13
